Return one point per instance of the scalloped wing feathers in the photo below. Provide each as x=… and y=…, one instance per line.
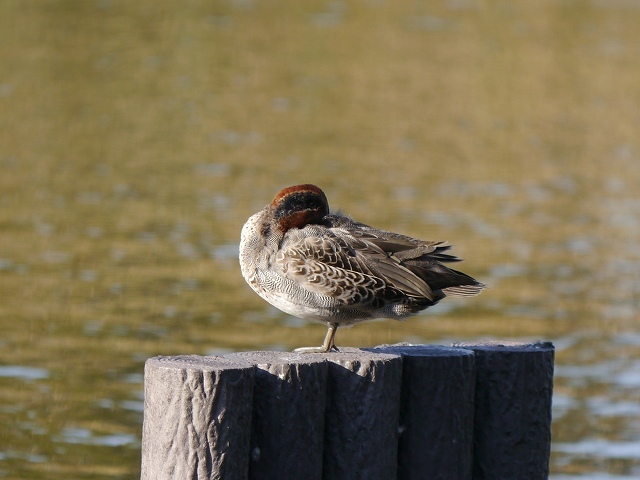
x=358, y=265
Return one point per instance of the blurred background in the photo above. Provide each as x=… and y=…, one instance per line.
x=137, y=137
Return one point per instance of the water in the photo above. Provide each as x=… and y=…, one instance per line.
x=136, y=138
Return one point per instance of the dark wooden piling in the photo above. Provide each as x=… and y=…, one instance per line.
x=197, y=413
x=512, y=428
x=436, y=412
x=407, y=412
x=361, y=420
x=287, y=431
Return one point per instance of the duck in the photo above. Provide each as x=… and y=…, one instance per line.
x=327, y=267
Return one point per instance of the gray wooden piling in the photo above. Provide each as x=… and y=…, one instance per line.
x=512, y=428
x=287, y=431
x=338, y=415
x=197, y=413
x=436, y=412
x=361, y=420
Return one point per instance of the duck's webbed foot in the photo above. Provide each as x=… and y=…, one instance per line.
x=327, y=346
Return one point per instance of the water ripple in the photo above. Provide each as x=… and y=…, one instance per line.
x=22, y=372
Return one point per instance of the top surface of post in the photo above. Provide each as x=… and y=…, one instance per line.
x=406, y=349
x=277, y=358
x=511, y=346
x=196, y=362
x=352, y=353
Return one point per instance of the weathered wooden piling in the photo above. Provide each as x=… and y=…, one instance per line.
x=400, y=411
x=287, y=430
x=197, y=414
x=361, y=419
x=436, y=412
x=512, y=427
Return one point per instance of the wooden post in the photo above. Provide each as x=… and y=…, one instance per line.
x=436, y=412
x=512, y=430
x=361, y=422
x=338, y=415
x=287, y=431
x=197, y=412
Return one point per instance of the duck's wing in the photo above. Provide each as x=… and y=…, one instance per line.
x=424, y=259
x=350, y=269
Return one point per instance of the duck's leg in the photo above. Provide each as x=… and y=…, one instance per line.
x=329, y=341
x=327, y=346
